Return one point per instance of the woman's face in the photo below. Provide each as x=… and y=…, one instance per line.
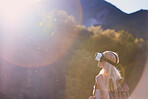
x=101, y=64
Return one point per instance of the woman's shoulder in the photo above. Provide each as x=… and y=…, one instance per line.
x=100, y=81
x=99, y=78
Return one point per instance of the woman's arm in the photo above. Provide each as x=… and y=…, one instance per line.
x=101, y=85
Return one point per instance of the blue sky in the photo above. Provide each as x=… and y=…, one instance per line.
x=130, y=6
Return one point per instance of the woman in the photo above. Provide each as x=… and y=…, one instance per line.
x=107, y=81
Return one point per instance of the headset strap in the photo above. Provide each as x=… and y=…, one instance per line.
x=109, y=61
x=115, y=56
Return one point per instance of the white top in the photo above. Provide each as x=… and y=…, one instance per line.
x=98, y=94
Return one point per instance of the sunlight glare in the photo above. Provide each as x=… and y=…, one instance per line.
x=11, y=9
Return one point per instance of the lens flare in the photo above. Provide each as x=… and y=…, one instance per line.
x=32, y=35
x=140, y=91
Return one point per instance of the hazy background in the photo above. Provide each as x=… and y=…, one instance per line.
x=48, y=46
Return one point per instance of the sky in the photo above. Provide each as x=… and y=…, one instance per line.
x=130, y=6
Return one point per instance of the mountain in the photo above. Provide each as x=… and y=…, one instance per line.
x=100, y=12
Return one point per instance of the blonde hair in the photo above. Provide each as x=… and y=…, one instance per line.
x=109, y=71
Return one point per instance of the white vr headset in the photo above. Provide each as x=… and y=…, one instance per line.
x=99, y=57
